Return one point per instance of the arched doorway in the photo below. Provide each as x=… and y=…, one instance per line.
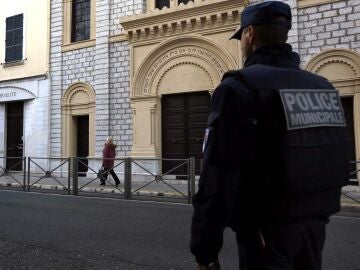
x=185, y=65
x=342, y=68
x=78, y=118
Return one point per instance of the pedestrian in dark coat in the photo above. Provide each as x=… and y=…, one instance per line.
x=275, y=154
x=109, y=154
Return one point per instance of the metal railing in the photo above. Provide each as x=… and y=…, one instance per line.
x=13, y=172
x=163, y=184
x=143, y=178
x=93, y=173
x=353, y=179
x=356, y=172
x=140, y=178
x=54, y=169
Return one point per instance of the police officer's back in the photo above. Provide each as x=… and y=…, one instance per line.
x=275, y=153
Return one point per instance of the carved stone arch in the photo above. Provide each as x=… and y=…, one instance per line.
x=78, y=99
x=78, y=93
x=336, y=65
x=199, y=53
x=342, y=68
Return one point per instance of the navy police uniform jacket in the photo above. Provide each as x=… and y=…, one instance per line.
x=256, y=171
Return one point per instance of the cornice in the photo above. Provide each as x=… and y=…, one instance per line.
x=149, y=97
x=194, y=16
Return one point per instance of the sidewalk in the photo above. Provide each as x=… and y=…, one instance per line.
x=166, y=188
x=350, y=197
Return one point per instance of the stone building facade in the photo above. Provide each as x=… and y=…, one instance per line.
x=146, y=72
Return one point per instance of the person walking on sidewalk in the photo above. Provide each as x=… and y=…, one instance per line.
x=109, y=155
x=275, y=154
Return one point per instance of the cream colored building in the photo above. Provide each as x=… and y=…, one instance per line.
x=24, y=81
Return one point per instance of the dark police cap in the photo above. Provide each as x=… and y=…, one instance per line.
x=264, y=13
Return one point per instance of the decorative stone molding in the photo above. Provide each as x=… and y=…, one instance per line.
x=199, y=15
x=78, y=45
x=77, y=94
x=336, y=64
x=311, y=3
x=197, y=51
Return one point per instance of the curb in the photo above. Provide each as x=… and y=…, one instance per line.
x=98, y=190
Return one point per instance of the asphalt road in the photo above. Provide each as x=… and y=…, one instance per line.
x=43, y=231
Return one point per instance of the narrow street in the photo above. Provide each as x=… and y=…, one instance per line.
x=42, y=231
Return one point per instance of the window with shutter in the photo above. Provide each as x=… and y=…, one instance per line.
x=80, y=20
x=14, y=38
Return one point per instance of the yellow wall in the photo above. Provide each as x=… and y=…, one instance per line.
x=36, y=38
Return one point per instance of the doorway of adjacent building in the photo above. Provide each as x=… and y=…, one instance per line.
x=348, y=104
x=82, y=144
x=184, y=119
x=14, y=135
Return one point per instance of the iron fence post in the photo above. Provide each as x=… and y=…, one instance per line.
x=75, y=175
x=28, y=171
x=69, y=170
x=127, y=179
x=191, y=178
x=24, y=173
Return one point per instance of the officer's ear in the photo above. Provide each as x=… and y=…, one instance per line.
x=251, y=34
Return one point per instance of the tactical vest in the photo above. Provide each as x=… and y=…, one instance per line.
x=301, y=146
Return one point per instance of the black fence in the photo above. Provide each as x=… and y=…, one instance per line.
x=141, y=179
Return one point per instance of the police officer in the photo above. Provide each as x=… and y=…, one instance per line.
x=275, y=154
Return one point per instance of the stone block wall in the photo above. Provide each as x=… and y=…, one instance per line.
x=79, y=66
x=104, y=66
x=121, y=8
x=56, y=68
x=328, y=26
x=120, y=110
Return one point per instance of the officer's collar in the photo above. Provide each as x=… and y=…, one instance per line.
x=279, y=55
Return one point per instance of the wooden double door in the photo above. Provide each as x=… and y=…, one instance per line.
x=184, y=118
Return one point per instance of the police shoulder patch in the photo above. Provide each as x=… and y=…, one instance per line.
x=305, y=108
x=206, y=138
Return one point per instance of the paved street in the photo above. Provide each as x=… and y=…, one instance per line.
x=42, y=231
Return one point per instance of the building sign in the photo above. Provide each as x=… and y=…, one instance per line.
x=193, y=51
x=15, y=93
x=312, y=108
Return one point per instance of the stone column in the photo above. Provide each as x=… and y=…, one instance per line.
x=147, y=129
